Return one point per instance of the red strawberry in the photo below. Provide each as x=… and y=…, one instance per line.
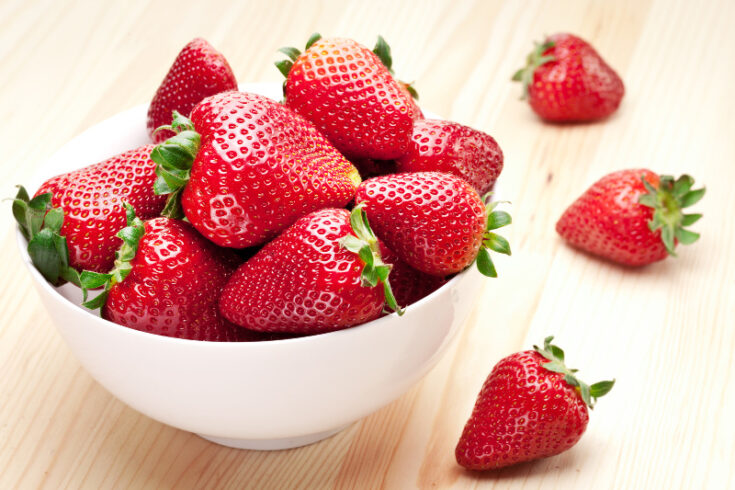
x=633, y=217
x=531, y=406
x=256, y=168
x=433, y=221
x=198, y=72
x=348, y=92
x=313, y=278
x=408, y=284
x=92, y=200
x=167, y=280
x=445, y=146
x=566, y=80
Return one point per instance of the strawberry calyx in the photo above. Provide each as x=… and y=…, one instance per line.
x=555, y=356
x=382, y=51
x=40, y=224
x=364, y=243
x=284, y=66
x=174, y=158
x=130, y=236
x=491, y=240
x=667, y=202
x=534, y=59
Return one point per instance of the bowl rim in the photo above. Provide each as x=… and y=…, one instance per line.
x=255, y=87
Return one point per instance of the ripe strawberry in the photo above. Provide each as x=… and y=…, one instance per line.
x=348, y=92
x=167, y=280
x=256, y=168
x=315, y=277
x=566, y=80
x=531, y=406
x=445, y=146
x=633, y=217
x=85, y=211
x=433, y=221
x=198, y=72
x=408, y=284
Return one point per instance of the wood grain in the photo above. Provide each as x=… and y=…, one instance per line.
x=666, y=332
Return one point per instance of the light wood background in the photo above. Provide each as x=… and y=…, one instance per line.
x=666, y=332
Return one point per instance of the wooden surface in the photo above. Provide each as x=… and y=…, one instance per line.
x=666, y=332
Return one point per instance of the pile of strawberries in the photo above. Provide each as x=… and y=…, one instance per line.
x=249, y=219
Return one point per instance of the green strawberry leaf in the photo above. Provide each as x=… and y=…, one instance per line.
x=382, y=50
x=312, y=39
x=364, y=243
x=485, y=264
x=555, y=356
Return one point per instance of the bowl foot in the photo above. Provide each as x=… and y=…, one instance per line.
x=272, y=444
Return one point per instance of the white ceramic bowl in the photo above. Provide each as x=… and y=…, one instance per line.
x=254, y=395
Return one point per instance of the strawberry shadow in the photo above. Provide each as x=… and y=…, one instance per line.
x=570, y=461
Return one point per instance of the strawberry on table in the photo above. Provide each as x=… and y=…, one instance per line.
x=166, y=280
x=348, y=92
x=445, y=146
x=323, y=273
x=245, y=167
x=566, y=80
x=198, y=72
x=633, y=217
x=434, y=221
x=531, y=406
x=86, y=212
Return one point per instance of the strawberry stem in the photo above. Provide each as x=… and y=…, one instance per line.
x=40, y=224
x=364, y=243
x=130, y=236
x=555, y=356
x=667, y=202
x=174, y=158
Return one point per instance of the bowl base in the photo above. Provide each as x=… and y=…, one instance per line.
x=273, y=444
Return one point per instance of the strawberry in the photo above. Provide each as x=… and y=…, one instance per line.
x=246, y=167
x=445, y=146
x=633, y=217
x=566, y=80
x=198, y=72
x=531, y=406
x=166, y=280
x=408, y=284
x=85, y=211
x=319, y=275
x=435, y=222
x=348, y=92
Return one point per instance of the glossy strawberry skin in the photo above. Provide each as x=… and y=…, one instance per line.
x=346, y=91
x=578, y=86
x=433, y=221
x=260, y=167
x=523, y=412
x=92, y=200
x=173, y=287
x=303, y=281
x=408, y=284
x=198, y=72
x=445, y=146
x=608, y=221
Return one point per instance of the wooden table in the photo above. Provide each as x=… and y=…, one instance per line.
x=666, y=332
